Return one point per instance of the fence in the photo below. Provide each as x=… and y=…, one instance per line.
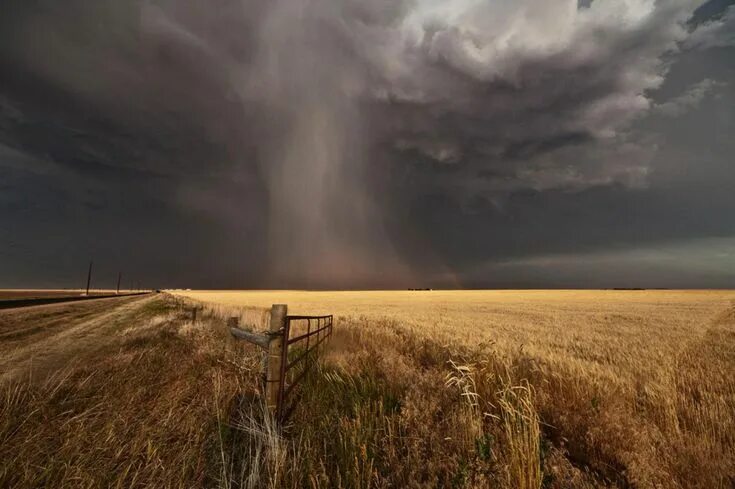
x=292, y=343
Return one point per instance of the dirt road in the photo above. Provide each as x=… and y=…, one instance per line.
x=37, y=339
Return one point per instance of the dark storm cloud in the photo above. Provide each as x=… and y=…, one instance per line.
x=717, y=31
x=690, y=99
x=348, y=143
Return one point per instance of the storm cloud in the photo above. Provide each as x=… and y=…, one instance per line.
x=347, y=143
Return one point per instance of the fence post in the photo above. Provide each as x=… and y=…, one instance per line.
x=89, y=277
x=275, y=352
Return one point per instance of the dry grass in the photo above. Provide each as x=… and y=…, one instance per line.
x=149, y=408
x=574, y=388
x=416, y=389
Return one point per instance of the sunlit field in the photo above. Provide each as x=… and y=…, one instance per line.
x=619, y=333
x=616, y=387
x=424, y=389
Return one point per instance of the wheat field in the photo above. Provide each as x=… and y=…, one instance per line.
x=420, y=389
x=614, y=388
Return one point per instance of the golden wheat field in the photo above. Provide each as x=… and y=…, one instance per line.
x=621, y=334
x=630, y=388
x=415, y=389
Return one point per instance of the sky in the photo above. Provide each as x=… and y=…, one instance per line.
x=368, y=144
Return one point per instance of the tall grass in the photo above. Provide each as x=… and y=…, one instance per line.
x=171, y=403
x=141, y=412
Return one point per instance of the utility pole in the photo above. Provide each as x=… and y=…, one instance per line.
x=89, y=276
x=119, y=276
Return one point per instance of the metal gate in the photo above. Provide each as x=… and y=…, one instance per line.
x=293, y=345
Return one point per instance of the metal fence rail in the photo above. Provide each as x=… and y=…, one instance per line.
x=293, y=345
x=298, y=355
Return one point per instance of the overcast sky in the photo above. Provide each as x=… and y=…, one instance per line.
x=368, y=143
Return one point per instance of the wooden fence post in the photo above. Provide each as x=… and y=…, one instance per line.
x=275, y=348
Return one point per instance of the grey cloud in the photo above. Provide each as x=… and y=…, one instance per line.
x=315, y=130
x=486, y=85
x=707, y=263
x=718, y=33
x=688, y=100
x=502, y=83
